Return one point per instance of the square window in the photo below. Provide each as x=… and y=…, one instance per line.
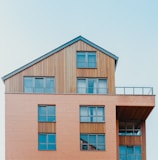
x=46, y=141
x=46, y=114
x=92, y=114
x=86, y=60
x=92, y=141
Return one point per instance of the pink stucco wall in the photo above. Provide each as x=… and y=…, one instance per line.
x=22, y=125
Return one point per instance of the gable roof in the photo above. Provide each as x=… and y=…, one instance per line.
x=79, y=38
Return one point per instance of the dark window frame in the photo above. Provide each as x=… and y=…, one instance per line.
x=47, y=144
x=91, y=117
x=91, y=145
x=86, y=63
x=92, y=90
x=47, y=115
x=130, y=151
x=42, y=90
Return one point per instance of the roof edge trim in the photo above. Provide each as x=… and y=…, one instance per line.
x=99, y=48
x=57, y=50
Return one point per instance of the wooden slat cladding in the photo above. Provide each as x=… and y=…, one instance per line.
x=117, y=138
x=62, y=66
x=130, y=140
x=143, y=141
x=92, y=127
x=46, y=127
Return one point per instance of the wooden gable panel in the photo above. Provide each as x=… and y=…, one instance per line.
x=62, y=66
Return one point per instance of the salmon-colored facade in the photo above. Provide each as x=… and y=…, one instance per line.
x=22, y=121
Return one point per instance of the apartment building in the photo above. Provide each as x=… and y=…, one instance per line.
x=64, y=105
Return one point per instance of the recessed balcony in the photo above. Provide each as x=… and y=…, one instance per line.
x=136, y=103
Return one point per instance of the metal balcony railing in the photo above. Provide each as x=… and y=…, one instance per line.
x=134, y=90
x=95, y=90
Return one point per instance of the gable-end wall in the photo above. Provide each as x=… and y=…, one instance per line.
x=62, y=66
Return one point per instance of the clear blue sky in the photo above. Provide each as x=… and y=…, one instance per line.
x=127, y=28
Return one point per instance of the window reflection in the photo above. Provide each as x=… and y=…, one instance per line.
x=46, y=141
x=92, y=141
x=46, y=114
x=92, y=86
x=130, y=152
x=39, y=85
x=86, y=60
x=129, y=129
x=92, y=114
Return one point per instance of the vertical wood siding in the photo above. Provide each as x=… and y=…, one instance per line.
x=92, y=128
x=62, y=65
x=130, y=140
x=46, y=127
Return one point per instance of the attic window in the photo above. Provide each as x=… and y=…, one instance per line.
x=86, y=60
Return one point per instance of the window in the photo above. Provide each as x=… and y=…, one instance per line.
x=92, y=141
x=86, y=60
x=46, y=141
x=46, y=114
x=92, y=86
x=129, y=129
x=39, y=85
x=92, y=114
x=130, y=153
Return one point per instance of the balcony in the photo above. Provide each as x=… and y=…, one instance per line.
x=93, y=90
x=134, y=103
x=118, y=90
x=134, y=90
